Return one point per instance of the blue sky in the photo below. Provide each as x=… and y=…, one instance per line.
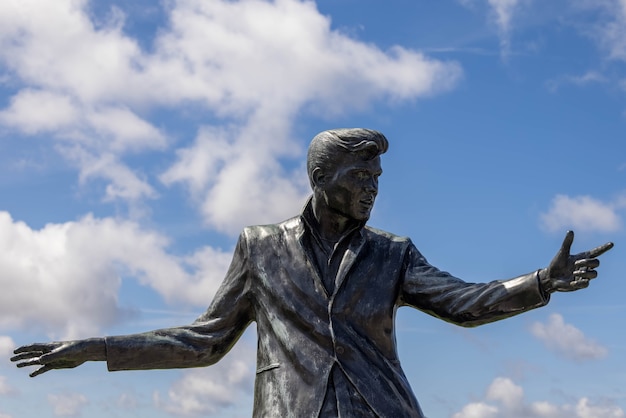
x=138, y=138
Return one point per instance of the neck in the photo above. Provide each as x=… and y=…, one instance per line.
x=332, y=224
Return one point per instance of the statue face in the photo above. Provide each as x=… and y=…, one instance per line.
x=352, y=188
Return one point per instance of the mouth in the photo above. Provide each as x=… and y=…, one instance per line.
x=367, y=201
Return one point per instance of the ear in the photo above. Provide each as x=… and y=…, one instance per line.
x=318, y=178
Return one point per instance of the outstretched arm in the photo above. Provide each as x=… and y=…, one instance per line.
x=469, y=304
x=200, y=344
x=60, y=355
x=568, y=272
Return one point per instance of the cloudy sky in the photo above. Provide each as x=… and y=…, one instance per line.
x=138, y=138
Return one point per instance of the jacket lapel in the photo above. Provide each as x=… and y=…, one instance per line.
x=349, y=257
x=311, y=265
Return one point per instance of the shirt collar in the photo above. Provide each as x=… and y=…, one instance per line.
x=312, y=226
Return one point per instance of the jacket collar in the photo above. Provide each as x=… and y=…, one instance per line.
x=311, y=225
x=354, y=235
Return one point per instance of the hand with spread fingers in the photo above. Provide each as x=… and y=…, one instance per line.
x=568, y=272
x=59, y=355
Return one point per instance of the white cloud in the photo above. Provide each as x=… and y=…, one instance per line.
x=97, y=137
x=127, y=401
x=609, y=30
x=238, y=56
x=503, y=15
x=567, y=340
x=297, y=61
x=68, y=405
x=236, y=180
x=506, y=399
x=124, y=130
x=123, y=181
x=505, y=392
x=579, y=80
x=208, y=266
x=582, y=213
x=6, y=351
x=613, y=33
x=209, y=391
x=5, y=388
x=584, y=410
x=73, y=93
x=6, y=346
x=62, y=279
x=256, y=64
x=91, y=137
x=35, y=39
x=35, y=111
x=477, y=410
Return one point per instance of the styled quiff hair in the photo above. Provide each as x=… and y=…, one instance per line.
x=328, y=145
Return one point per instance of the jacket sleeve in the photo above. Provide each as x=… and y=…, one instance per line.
x=442, y=295
x=202, y=343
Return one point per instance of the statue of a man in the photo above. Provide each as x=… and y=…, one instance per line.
x=323, y=289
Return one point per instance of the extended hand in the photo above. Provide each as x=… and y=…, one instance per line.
x=59, y=355
x=568, y=272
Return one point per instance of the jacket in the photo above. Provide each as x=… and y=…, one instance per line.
x=303, y=330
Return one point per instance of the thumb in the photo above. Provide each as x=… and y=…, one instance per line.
x=567, y=243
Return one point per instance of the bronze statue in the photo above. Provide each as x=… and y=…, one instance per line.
x=323, y=289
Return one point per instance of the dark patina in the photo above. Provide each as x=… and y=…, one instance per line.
x=323, y=289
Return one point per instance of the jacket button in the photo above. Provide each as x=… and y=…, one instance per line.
x=339, y=349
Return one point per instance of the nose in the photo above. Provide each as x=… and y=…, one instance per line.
x=371, y=186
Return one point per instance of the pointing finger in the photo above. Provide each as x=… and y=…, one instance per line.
x=598, y=250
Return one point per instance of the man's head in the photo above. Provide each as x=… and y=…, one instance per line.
x=343, y=167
